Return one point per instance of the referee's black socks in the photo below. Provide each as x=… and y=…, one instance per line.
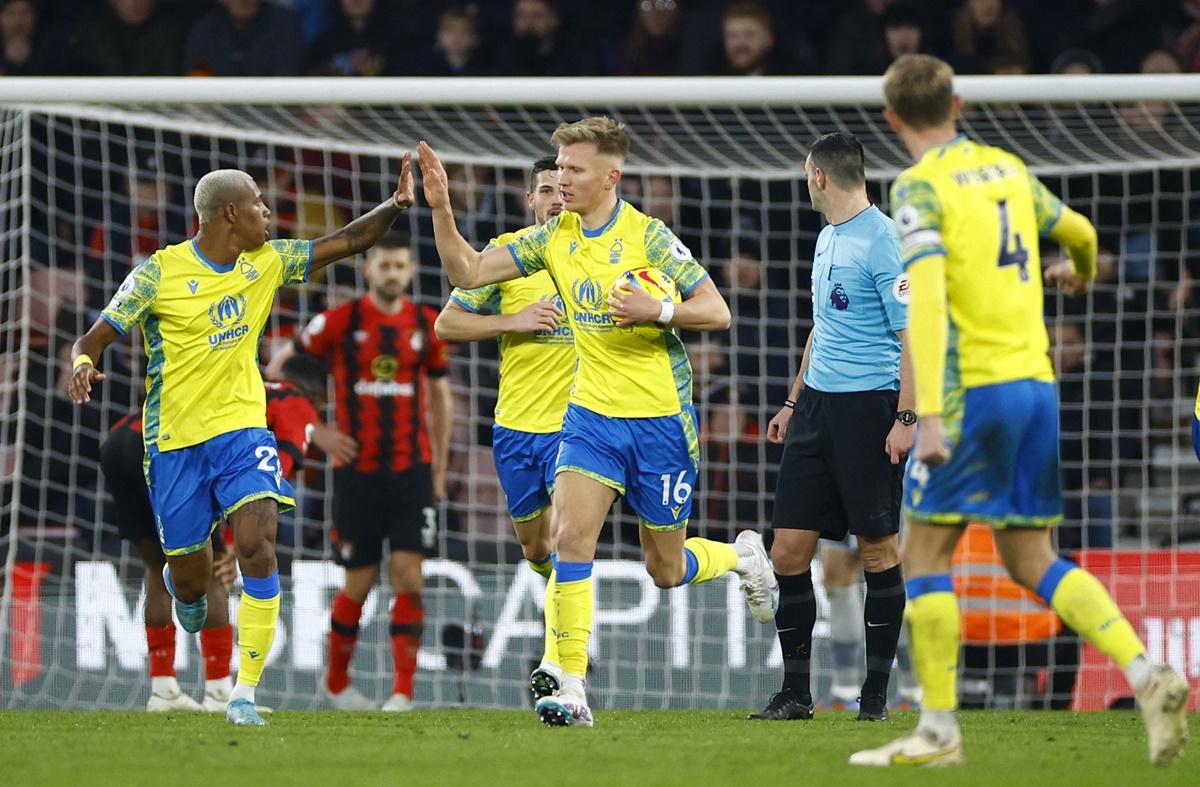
x=794, y=621
x=883, y=614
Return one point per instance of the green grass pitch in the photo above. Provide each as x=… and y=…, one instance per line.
x=637, y=748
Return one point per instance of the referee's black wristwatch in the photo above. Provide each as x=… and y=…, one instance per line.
x=906, y=417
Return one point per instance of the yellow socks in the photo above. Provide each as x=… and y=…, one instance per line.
x=257, y=616
x=544, y=567
x=550, y=651
x=1084, y=605
x=707, y=560
x=934, y=630
x=574, y=608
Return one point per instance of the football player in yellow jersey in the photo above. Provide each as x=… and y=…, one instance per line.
x=537, y=364
x=629, y=428
x=969, y=217
x=202, y=306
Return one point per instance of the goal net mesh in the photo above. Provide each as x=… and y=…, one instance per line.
x=88, y=191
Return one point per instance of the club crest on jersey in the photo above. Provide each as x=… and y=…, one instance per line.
x=839, y=298
x=384, y=367
x=573, y=247
x=614, y=252
x=247, y=270
x=193, y=285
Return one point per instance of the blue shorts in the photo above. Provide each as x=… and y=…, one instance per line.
x=653, y=462
x=192, y=489
x=1003, y=467
x=1196, y=436
x=525, y=463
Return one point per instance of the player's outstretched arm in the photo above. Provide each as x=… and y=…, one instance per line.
x=362, y=233
x=456, y=324
x=465, y=267
x=83, y=354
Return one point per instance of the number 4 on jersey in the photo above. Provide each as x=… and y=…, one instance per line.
x=1018, y=255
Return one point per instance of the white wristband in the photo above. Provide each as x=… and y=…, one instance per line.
x=666, y=313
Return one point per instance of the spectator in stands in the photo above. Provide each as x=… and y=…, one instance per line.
x=245, y=38
x=359, y=42
x=456, y=50
x=654, y=195
x=141, y=221
x=1121, y=32
x=748, y=43
x=902, y=31
x=655, y=46
x=759, y=327
x=1151, y=115
x=1076, y=61
x=857, y=44
x=1085, y=396
x=539, y=46
x=22, y=50
x=1187, y=44
x=128, y=38
x=988, y=36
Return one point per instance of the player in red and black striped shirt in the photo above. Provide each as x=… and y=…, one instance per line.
x=393, y=399
x=291, y=415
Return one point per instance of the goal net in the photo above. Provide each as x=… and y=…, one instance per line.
x=96, y=180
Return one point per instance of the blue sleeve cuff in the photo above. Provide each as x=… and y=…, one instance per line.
x=116, y=327
x=516, y=260
x=464, y=304
x=698, y=282
x=312, y=249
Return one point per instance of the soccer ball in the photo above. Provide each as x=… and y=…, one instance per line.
x=653, y=282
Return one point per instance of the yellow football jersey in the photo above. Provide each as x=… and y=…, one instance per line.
x=536, y=369
x=201, y=323
x=637, y=372
x=979, y=207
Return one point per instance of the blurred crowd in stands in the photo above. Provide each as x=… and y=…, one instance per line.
x=582, y=37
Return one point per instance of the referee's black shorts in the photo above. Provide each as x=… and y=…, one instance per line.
x=835, y=477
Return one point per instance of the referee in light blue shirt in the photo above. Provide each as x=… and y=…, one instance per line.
x=846, y=427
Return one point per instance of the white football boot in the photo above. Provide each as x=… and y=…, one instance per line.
x=165, y=695
x=348, y=698
x=398, y=703
x=921, y=747
x=1164, y=709
x=758, y=585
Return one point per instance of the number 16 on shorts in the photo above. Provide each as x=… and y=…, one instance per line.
x=676, y=492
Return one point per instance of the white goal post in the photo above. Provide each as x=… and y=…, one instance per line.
x=95, y=172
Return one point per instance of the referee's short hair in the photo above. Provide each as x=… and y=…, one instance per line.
x=840, y=156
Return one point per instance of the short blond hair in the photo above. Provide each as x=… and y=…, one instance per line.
x=605, y=133
x=919, y=88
